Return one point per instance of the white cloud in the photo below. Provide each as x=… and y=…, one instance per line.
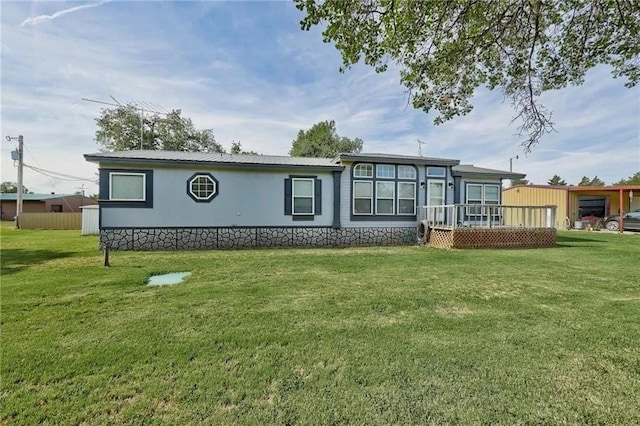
x=41, y=18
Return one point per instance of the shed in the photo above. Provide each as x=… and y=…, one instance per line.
x=90, y=220
x=576, y=203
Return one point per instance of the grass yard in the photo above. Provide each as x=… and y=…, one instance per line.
x=401, y=335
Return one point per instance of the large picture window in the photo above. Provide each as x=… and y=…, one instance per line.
x=303, y=196
x=388, y=194
x=127, y=186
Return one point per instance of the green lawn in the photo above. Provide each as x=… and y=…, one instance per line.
x=401, y=335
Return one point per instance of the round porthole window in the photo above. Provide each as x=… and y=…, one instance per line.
x=202, y=187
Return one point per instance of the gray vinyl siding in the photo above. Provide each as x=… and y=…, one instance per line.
x=246, y=198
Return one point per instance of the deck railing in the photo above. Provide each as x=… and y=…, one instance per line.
x=452, y=216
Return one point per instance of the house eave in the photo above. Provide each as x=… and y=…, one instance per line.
x=178, y=162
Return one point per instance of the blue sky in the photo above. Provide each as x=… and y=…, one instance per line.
x=246, y=70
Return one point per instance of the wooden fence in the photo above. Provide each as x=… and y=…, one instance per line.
x=50, y=221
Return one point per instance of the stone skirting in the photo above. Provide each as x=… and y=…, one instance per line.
x=227, y=238
x=464, y=238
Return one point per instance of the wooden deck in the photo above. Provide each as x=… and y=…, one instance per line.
x=466, y=238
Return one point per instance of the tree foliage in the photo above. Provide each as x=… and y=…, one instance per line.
x=595, y=181
x=12, y=188
x=556, y=180
x=123, y=128
x=632, y=180
x=322, y=140
x=236, y=148
x=447, y=49
x=519, y=182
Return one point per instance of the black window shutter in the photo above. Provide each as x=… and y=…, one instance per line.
x=318, y=194
x=287, y=197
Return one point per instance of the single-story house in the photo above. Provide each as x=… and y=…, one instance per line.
x=576, y=203
x=42, y=203
x=187, y=200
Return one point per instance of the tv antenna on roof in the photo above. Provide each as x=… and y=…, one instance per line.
x=420, y=143
x=143, y=106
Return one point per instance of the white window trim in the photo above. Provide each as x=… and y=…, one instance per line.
x=403, y=198
x=144, y=186
x=293, y=196
x=357, y=167
x=466, y=193
x=353, y=198
x=444, y=169
x=393, y=199
x=386, y=177
x=484, y=194
x=215, y=187
x=413, y=171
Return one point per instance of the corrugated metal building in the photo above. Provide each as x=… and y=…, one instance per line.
x=575, y=202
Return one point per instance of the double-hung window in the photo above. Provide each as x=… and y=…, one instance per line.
x=385, y=197
x=302, y=197
x=362, y=197
x=406, y=198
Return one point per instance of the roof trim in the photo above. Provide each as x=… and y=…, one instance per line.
x=521, y=185
x=463, y=170
x=578, y=188
x=98, y=158
x=397, y=159
x=605, y=188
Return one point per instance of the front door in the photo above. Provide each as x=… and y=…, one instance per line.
x=435, y=197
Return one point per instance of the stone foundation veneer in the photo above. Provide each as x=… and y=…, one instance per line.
x=227, y=238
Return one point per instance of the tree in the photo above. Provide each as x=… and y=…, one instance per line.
x=519, y=182
x=557, y=180
x=632, y=180
x=596, y=181
x=322, y=140
x=122, y=128
x=12, y=188
x=236, y=148
x=447, y=49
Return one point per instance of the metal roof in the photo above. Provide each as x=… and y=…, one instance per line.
x=210, y=158
x=406, y=159
x=578, y=188
x=471, y=169
x=33, y=197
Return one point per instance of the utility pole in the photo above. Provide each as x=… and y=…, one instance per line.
x=19, y=156
x=81, y=188
x=511, y=163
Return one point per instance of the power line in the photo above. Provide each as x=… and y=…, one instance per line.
x=58, y=175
